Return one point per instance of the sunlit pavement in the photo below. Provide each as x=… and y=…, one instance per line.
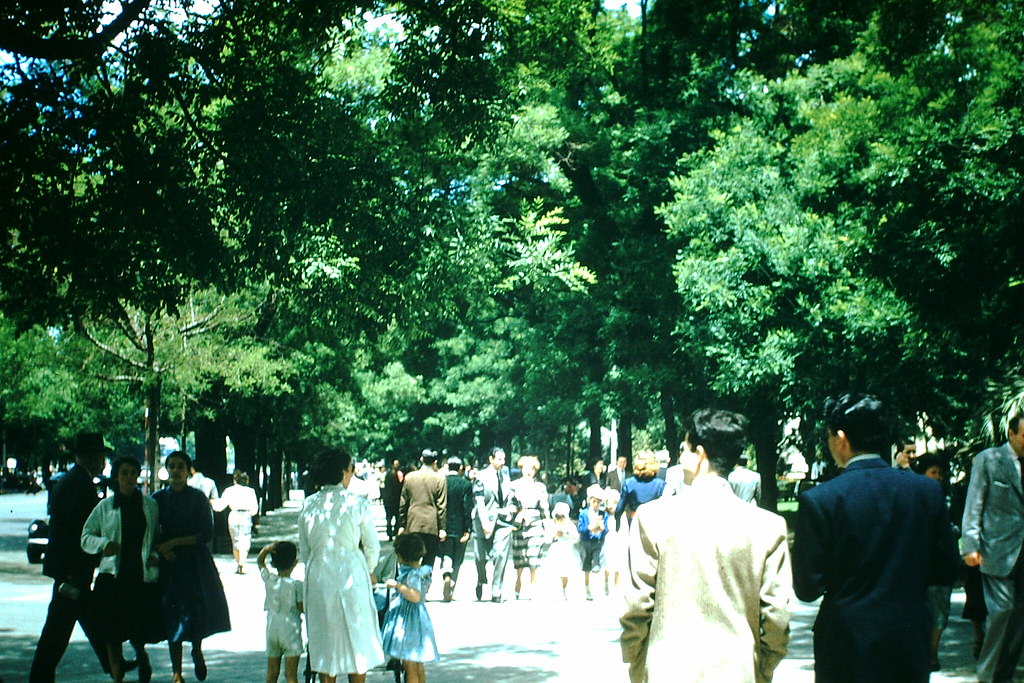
x=545, y=638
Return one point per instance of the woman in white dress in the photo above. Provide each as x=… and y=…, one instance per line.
x=341, y=616
x=243, y=504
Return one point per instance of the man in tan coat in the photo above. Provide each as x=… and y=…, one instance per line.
x=423, y=505
x=721, y=569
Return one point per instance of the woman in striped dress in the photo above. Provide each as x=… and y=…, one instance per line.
x=531, y=499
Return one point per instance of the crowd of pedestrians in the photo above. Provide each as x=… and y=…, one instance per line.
x=706, y=575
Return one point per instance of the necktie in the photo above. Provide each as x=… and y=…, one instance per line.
x=501, y=496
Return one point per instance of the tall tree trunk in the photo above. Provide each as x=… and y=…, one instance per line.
x=211, y=452
x=625, y=434
x=765, y=438
x=245, y=438
x=668, y=414
x=568, y=451
x=152, y=451
x=274, y=494
x=594, y=450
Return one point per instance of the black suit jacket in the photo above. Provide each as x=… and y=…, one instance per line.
x=460, y=506
x=72, y=498
x=871, y=541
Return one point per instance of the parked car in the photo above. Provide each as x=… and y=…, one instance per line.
x=38, y=538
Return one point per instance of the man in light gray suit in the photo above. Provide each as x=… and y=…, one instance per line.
x=993, y=538
x=492, y=523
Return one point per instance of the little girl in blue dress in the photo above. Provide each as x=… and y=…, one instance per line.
x=407, y=632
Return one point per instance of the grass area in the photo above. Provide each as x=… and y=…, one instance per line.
x=787, y=506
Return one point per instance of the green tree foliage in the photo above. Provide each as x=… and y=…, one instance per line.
x=851, y=228
x=455, y=224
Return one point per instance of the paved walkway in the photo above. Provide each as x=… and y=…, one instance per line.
x=526, y=641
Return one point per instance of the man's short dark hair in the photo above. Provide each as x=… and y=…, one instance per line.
x=904, y=441
x=454, y=462
x=428, y=457
x=864, y=420
x=1014, y=422
x=723, y=435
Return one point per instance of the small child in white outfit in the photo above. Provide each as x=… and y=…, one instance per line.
x=284, y=610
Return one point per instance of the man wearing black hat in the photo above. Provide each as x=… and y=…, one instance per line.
x=71, y=500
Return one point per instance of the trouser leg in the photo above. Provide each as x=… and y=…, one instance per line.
x=61, y=616
x=458, y=555
x=390, y=520
x=432, y=544
x=53, y=640
x=482, y=553
x=1004, y=636
x=445, y=549
x=500, y=550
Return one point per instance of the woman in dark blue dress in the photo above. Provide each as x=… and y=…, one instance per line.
x=194, y=606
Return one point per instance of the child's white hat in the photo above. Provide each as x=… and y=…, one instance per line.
x=595, y=491
x=560, y=510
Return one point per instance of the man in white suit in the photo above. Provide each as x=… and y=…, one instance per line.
x=721, y=568
x=993, y=536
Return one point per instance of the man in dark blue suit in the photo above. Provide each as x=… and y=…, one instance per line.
x=72, y=498
x=458, y=524
x=871, y=541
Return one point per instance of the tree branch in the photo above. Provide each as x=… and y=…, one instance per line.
x=193, y=328
x=128, y=328
x=25, y=42
x=120, y=378
x=84, y=331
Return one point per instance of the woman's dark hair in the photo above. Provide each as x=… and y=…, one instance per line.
x=330, y=465
x=124, y=460
x=241, y=478
x=284, y=556
x=927, y=460
x=181, y=455
x=410, y=548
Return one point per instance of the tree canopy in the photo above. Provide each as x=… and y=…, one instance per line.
x=408, y=225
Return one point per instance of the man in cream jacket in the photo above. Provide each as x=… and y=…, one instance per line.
x=720, y=567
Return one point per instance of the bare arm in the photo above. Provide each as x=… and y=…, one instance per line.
x=408, y=592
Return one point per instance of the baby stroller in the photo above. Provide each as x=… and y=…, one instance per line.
x=387, y=565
